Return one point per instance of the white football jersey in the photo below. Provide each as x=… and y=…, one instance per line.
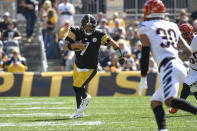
x=193, y=57
x=163, y=36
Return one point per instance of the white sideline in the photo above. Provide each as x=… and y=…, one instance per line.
x=35, y=103
x=29, y=98
x=36, y=108
x=50, y=123
x=34, y=114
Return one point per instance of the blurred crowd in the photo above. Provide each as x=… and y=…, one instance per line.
x=10, y=46
x=56, y=18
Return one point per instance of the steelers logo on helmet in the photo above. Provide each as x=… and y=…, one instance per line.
x=88, y=24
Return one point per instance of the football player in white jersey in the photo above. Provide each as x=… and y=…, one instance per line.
x=163, y=38
x=190, y=83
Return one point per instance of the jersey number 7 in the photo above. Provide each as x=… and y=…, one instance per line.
x=84, y=50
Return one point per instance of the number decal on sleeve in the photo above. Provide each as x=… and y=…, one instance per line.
x=194, y=59
x=168, y=37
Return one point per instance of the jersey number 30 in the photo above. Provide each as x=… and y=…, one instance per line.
x=194, y=59
x=168, y=37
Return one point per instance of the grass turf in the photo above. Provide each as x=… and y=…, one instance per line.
x=126, y=113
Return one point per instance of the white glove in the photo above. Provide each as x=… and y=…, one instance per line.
x=193, y=88
x=142, y=85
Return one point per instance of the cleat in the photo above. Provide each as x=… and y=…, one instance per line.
x=84, y=103
x=77, y=114
x=173, y=110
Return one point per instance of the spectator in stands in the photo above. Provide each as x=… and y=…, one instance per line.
x=63, y=32
x=11, y=34
x=113, y=66
x=134, y=41
x=137, y=52
x=3, y=59
x=69, y=61
x=61, y=37
x=195, y=25
x=30, y=16
x=112, y=21
x=105, y=54
x=129, y=34
x=99, y=17
x=4, y=23
x=43, y=15
x=103, y=26
x=53, y=3
x=124, y=47
x=129, y=66
x=66, y=11
x=135, y=24
x=1, y=45
x=16, y=63
x=50, y=38
x=183, y=18
x=193, y=15
x=117, y=32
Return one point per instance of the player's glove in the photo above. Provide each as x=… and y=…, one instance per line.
x=121, y=60
x=120, y=56
x=142, y=85
x=193, y=88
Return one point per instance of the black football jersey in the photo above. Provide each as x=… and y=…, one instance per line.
x=88, y=57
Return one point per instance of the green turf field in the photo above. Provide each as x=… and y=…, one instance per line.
x=128, y=113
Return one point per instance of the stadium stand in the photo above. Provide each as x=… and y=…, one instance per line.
x=129, y=11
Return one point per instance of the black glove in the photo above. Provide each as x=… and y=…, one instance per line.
x=121, y=60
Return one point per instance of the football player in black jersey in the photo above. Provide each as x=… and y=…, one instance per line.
x=86, y=42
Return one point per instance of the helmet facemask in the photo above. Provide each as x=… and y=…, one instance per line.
x=88, y=29
x=88, y=24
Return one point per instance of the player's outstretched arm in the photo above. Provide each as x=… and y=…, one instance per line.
x=186, y=50
x=118, y=51
x=144, y=62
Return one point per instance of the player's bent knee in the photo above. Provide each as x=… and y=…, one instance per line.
x=155, y=104
x=169, y=101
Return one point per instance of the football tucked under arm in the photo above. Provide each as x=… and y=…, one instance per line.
x=77, y=46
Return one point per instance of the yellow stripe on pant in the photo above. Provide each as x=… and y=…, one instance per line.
x=81, y=78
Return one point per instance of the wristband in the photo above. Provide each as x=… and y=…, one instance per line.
x=69, y=46
x=118, y=52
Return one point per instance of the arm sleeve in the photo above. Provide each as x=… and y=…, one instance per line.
x=71, y=37
x=144, y=61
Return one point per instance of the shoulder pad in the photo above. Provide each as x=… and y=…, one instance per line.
x=98, y=30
